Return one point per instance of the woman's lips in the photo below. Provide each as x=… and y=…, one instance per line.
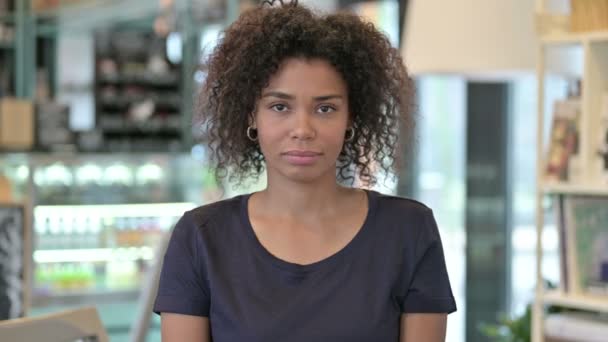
x=301, y=158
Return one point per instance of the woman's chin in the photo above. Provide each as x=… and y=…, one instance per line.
x=303, y=174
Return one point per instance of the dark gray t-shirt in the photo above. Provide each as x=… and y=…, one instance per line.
x=216, y=267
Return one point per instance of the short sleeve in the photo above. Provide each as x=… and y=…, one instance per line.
x=429, y=290
x=182, y=286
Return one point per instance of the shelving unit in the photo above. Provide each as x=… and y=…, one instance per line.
x=81, y=298
x=7, y=51
x=114, y=183
x=137, y=108
x=591, y=303
x=184, y=181
x=565, y=189
x=31, y=56
x=18, y=55
x=593, y=74
x=574, y=38
x=97, y=251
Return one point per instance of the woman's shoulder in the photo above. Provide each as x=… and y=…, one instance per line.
x=406, y=222
x=400, y=206
x=213, y=214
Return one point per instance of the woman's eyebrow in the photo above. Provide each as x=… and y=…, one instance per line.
x=278, y=94
x=328, y=97
x=285, y=96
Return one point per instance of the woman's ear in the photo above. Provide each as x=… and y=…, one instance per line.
x=251, y=120
x=251, y=116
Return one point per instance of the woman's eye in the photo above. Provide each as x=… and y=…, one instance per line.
x=279, y=107
x=326, y=109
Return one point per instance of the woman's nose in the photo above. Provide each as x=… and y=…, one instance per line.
x=303, y=126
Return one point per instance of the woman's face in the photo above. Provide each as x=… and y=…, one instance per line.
x=301, y=120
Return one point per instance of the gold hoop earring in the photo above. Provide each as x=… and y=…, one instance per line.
x=249, y=130
x=350, y=134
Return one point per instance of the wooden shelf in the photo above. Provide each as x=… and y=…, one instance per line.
x=99, y=9
x=575, y=38
x=597, y=36
x=575, y=189
x=163, y=81
x=83, y=297
x=115, y=210
x=132, y=253
x=572, y=57
x=582, y=302
x=562, y=39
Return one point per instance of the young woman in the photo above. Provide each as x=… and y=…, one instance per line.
x=314, y=100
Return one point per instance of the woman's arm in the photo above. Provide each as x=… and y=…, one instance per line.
x=184, y=328
x=423, y=327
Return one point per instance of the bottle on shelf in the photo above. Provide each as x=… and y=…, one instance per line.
x=54, y=237
x=41, y=236
x=109, y=233
x=94, y=229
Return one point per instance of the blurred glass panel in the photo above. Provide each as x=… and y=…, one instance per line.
x=441, y=178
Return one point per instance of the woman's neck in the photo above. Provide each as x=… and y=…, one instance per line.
x=301, y=201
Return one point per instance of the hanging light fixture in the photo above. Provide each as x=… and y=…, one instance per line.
x=476, y=38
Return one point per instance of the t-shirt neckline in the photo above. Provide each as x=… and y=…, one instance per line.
x=326, y=262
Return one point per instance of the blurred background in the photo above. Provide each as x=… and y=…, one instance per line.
x=97, y=100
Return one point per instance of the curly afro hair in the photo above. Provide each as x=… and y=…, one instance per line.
x=380, y=92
